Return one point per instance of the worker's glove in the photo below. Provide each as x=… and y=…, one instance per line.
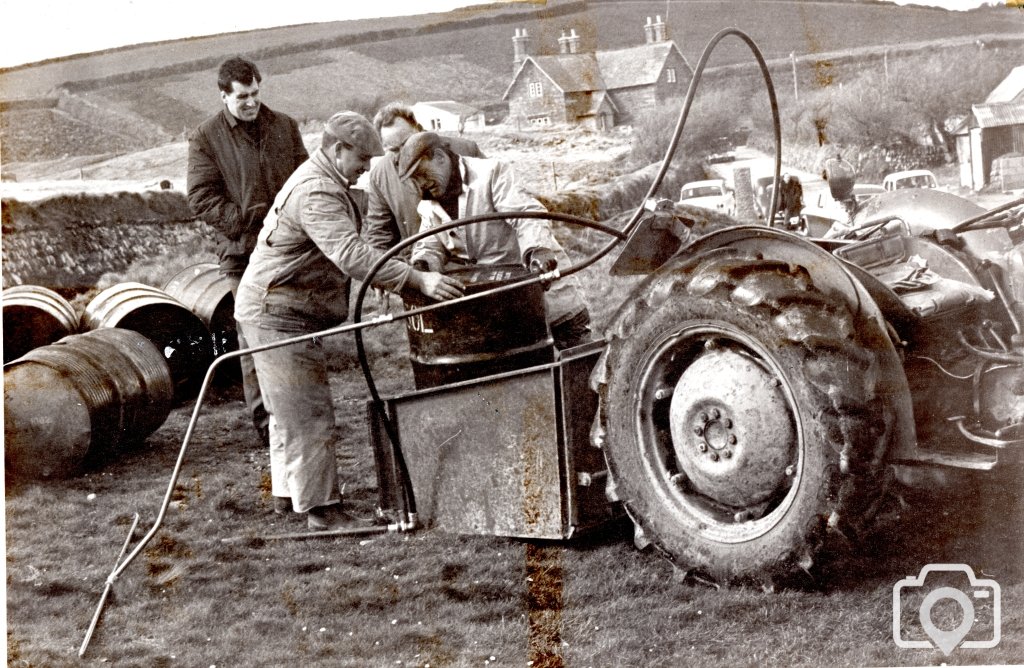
x=541, y=260
x=420, y=265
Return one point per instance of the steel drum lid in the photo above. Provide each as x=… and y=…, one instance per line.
x=83, y=397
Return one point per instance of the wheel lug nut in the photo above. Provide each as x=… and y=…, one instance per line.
x=727, y=454
x=727, y=423
x=662, y=393
x=702, y=447
x=710, y=345
x=703, y=417
x=775, y=382
x=677, y=479
x=790, y=470
x=714, y=456
x=732, y=439
x=698, y=430
x=715, y=414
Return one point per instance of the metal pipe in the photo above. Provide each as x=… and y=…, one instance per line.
x=996, y=277
x=964, y=225
x=334, y=533
x=106, y=590
x=1008, y=358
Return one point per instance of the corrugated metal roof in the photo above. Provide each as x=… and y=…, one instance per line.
x=998, y=115
x=634, y=66
x=1009, y=89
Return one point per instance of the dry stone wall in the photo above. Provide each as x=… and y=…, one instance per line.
x=67, y=242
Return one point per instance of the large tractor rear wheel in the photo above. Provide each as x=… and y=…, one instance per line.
x=744, y=421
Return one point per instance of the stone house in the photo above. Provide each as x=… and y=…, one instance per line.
x=600, y=89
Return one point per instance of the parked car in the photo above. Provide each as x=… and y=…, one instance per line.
x=712, y=194
x=914, y=178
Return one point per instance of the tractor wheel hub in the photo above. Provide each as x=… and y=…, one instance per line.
x=732, y=429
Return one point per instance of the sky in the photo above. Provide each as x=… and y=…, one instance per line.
x=33, y=30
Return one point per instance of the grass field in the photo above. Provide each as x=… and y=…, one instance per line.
x=429, y=598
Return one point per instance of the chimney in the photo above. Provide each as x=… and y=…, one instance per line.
x=563, y=43
x=648, y=31
x=658, y=30
x=520, y=48
x=569, y=43
x=574, y=41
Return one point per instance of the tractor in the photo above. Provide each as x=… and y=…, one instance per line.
x=750, y=400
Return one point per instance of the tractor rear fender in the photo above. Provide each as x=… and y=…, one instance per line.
x=828, y=272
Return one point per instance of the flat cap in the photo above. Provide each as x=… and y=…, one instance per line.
x=415, y=149
x=354, y=130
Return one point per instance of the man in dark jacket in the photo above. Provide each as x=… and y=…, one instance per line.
x=238, y=159
x=391, y=202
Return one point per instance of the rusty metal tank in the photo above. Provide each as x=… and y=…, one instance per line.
x=177, y=332
x=208, y=294
x=34, y=316
x=491, y=335
x=82, y=399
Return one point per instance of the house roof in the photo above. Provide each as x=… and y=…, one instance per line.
x=999, y=114
x=634, y=66
x=572, y=72
x=1009, y=89
x=597, y=100
x=602, y=70
x=450, y=106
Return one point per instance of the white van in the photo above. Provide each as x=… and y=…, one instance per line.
x=913, y=178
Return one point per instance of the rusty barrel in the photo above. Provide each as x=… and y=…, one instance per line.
x=177, y=332
x=82, y=399
x=34, y=316
x=208, y=294
x=490, y=335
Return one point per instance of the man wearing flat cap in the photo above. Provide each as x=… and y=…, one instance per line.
x=456, y=187
x=391, y=202
x=297, y=282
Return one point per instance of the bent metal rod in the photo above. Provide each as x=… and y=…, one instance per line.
x=405, y=523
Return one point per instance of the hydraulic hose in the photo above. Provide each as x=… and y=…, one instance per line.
x=628, y=228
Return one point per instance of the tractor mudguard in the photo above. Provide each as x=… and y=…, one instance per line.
x=827, y=272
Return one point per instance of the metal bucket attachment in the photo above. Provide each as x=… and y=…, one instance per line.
x=177, y=332
x=507, y=455
x=80, y=399
x=33, y=317
x=483, y=337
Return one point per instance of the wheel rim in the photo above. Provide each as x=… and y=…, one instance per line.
x=719, y=431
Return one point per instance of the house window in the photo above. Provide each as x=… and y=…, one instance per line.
x=540, y=120
x=670, y=73
x=435, y=123
x=535, y=90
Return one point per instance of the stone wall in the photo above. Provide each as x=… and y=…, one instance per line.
x=67, y=242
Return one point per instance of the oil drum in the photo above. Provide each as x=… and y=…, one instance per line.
x=483, y=337
x=34, y=316
x=208, y=294
x=82, y=399
x=177, y=332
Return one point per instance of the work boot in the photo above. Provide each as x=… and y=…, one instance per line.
x=282, y=505
x=327, y=518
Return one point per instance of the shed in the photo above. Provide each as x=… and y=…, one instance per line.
x=994, y=128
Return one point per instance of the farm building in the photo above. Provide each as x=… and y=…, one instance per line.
x=599, y=89
x=448, y=116
x=994, y=129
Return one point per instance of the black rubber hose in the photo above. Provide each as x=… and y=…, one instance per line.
x=629, y=227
